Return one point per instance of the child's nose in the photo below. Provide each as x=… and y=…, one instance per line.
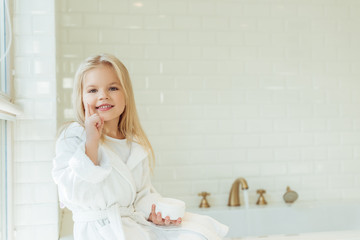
x=103, y=95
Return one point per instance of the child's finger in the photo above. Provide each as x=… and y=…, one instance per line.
x=158, y=217
x=152, y=214
x=153, y=209
x=86, y=105
x=100, y=123
x=167, y=220
x=92, y=110
x=176, y=222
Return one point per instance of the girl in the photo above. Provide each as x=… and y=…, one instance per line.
x=102, y=164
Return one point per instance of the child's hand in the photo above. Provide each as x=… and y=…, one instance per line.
x=93, y=123
x=158, y=220
x=93, y=127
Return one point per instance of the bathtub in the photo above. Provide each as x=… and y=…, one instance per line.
x=300, y=221
x=282, y=221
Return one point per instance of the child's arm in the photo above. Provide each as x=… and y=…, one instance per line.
x=73, y=171
x=71, y=166
x=93, y=127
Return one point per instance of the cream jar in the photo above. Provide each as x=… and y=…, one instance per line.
x=171, y=207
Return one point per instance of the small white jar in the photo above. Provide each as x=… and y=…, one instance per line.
x=171, y=207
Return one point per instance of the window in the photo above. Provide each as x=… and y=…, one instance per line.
x=5, y=41
x=8, y=112
x=3, y=181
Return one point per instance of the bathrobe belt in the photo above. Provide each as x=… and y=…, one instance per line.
x=112, y=216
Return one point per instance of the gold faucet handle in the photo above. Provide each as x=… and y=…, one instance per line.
x=204, y=203
x=261, y=200
x=204, y=194
x=261, y=191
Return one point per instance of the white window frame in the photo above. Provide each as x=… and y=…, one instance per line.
x=6, y=180
x=8, y=113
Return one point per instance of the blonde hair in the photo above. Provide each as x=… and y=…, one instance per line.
x=129, y=123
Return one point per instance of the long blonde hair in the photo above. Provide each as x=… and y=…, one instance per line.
x=129, y=123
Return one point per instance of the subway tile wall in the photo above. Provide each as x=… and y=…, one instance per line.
x=35, y=194
x=266, y=90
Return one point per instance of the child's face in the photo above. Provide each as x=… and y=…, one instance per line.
x=103, y=93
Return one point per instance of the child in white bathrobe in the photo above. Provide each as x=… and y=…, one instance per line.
x=103, y=161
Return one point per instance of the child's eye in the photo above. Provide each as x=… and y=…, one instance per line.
x=113, y=89
x=92, y=91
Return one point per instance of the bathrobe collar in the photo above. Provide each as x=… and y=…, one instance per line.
x=137, y=155
x=117, y=164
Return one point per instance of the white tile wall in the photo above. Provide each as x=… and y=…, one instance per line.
x=266, y=90
x=36, y=204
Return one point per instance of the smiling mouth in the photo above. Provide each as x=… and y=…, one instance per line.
x=104, y=107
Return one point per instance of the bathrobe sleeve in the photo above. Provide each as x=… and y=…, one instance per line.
x=71, y=165
x=146, y=194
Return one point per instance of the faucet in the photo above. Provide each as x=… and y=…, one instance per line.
x=234, y=196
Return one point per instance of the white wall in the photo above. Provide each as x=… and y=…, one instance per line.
x=266, y=90
x=35, y=206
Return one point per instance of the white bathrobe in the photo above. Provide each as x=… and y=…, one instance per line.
x=113, y=201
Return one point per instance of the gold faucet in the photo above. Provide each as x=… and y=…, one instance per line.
x=204, y=203
x=261, y=200
x=234, y=196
